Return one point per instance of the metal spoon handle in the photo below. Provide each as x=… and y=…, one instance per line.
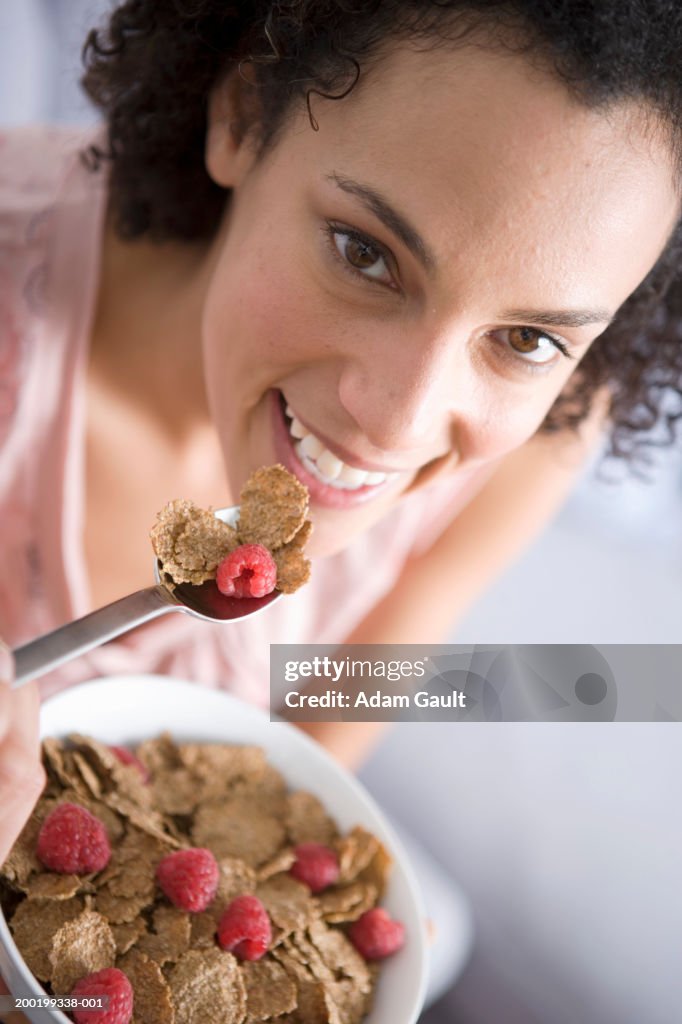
x=53, y=649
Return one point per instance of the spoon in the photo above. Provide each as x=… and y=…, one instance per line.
x=203, y=602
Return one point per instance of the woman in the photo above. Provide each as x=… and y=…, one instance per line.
x=419, y=253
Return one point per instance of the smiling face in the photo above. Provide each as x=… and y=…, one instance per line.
x=407, y=290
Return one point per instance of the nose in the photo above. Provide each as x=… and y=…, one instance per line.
x=404, y=390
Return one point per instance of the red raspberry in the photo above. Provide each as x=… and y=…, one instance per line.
x=109, y=982
x=248, y=571
x=126, y=756
x=189, y=878
x=316, y=865
x=376, y=935
x=244, y=928
x=73, y=841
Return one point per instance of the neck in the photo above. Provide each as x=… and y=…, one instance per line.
x=146, y=345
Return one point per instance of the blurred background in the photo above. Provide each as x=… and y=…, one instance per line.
x=565, y=840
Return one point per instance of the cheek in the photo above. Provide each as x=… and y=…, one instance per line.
x=504, y=421
x=258, y=317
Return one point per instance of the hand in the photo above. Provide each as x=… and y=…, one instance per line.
x=14, y=1016
x=22, y=776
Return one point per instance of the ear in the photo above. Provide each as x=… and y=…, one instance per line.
x=230, y=149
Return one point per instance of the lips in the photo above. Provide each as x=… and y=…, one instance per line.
x=330, y=480
x=324, y=465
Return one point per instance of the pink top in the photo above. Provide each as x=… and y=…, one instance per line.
x=51, y=216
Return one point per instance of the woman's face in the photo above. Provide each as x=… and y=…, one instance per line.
x=405, y=292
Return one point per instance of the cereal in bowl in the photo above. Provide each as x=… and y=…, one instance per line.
x=190, y=876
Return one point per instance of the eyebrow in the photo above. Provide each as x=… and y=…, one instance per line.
x=389, y=216
x=379, y=205
x=559, y=317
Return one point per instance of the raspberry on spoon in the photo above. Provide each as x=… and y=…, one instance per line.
x=248, y=571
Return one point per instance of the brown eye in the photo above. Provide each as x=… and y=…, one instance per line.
x=531, y=345
x=525, y=339
x=362, y=256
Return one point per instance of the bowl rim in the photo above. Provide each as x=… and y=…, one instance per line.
x=256, y=717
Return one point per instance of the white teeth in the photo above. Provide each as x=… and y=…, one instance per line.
x=354, y=477
x=297, y=429
x=328, y=464
x=312, y=446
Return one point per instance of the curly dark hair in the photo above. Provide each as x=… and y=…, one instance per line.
x=152, y=68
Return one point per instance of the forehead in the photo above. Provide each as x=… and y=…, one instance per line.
x=479, y=149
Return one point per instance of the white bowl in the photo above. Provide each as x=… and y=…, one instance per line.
x=128, y=709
